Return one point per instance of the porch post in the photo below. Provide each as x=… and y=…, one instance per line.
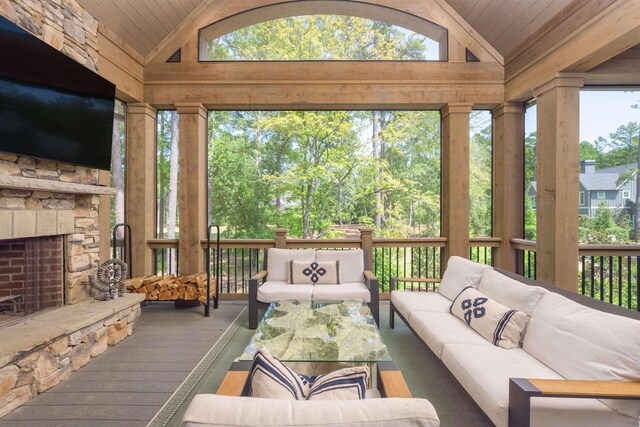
x=192, y=195
x=557, y=166
x=508, y=181
x=366, y=235
x=281, y=238
x=455, y=179
x=141, y=184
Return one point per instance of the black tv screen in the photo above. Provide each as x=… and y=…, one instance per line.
x=51, y=107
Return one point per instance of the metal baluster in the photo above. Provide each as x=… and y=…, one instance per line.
x=583, y=273
x=620, y=281
x=592, y=285
x=628, y=282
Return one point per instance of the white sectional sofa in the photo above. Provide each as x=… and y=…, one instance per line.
x=272, y=284
x=568, y=337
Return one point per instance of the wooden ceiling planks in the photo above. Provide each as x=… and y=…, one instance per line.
x=503, y=23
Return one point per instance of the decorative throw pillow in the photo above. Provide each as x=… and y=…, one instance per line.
x=459, y=274
x=314, y=273
x=495, y=322
x=271, y=379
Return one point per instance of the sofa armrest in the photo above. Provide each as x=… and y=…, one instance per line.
x=369, y=276
x=256, y=281
x=521, y=390
x=235, y=381
x=259, y=277
x=391, y=382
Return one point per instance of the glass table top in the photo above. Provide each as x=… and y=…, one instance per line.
x=312, y=331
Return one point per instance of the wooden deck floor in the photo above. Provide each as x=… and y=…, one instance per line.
x=129, y=383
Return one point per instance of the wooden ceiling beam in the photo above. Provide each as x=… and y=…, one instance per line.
x=603, y=36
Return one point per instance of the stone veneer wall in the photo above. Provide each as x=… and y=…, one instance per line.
x=67, y=27
x=45, y=366
x=83, y=246
x=63, y=24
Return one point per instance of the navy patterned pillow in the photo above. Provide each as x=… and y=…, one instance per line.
x=270, y=378
x=498, y=324
x=314, y=273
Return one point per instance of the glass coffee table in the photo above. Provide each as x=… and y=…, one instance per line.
x=319, y=331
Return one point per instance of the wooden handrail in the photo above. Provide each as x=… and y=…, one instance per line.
x=523, y=244
x=608, y=250
x=586, y=249
x=413, y=242
x=491, y=242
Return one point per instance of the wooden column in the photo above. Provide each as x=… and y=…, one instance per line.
x=455, y=179
x=140, y=196
x=104, y=218
x=366, y=235
x=508, y=181
x=557, y=180
x=192, y=195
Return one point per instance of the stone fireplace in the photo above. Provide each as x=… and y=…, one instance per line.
x=48, y=230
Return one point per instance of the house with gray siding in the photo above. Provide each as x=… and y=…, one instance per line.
x=612, y=188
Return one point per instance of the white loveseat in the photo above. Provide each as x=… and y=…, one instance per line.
x=568, y=337
x=210, y=410
x=391, y=404
x=272, y=284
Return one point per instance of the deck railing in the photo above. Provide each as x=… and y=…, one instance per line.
x=417, y=258
x=606, y=272
x=482, y=249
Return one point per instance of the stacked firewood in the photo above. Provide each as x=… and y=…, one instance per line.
x=171, y=288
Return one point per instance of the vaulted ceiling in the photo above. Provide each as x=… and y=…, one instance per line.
x=505, y=24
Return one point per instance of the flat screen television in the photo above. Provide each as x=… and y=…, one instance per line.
x=51, y=107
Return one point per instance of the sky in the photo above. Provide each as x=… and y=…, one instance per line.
x=601, y=112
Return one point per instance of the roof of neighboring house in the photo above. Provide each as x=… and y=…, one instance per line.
x=620, y=169
x=599, y=181
x=602, y=179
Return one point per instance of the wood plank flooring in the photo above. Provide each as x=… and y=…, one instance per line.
x=129, y=383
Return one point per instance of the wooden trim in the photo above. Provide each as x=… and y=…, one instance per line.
x=603, y=36
x=233, y=383
x=492, y=242
x=436, y=11
x=587, y=388
x=523, y=244
x=22, y=183
x=394, y=385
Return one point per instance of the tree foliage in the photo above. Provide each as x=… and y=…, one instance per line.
x=319, y=37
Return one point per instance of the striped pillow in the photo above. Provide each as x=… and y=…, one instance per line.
x=498, y=324
x=270, y=378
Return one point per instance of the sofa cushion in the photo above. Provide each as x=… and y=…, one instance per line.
x=356, y=291
x=209, y=410
x=439, y=329
x=272, y=291
x=351, y=263
x=272, y=379
x=314, y=272
x=484, y=372
x=510, y=292
x=278, y=262
x=407, y=302
x=460, y=273
x=581, y=343
x=499, y=324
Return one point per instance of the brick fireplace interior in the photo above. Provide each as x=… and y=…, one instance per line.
x=33, y=267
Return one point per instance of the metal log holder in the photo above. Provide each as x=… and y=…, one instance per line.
x=126, y=245
x=217, y=271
